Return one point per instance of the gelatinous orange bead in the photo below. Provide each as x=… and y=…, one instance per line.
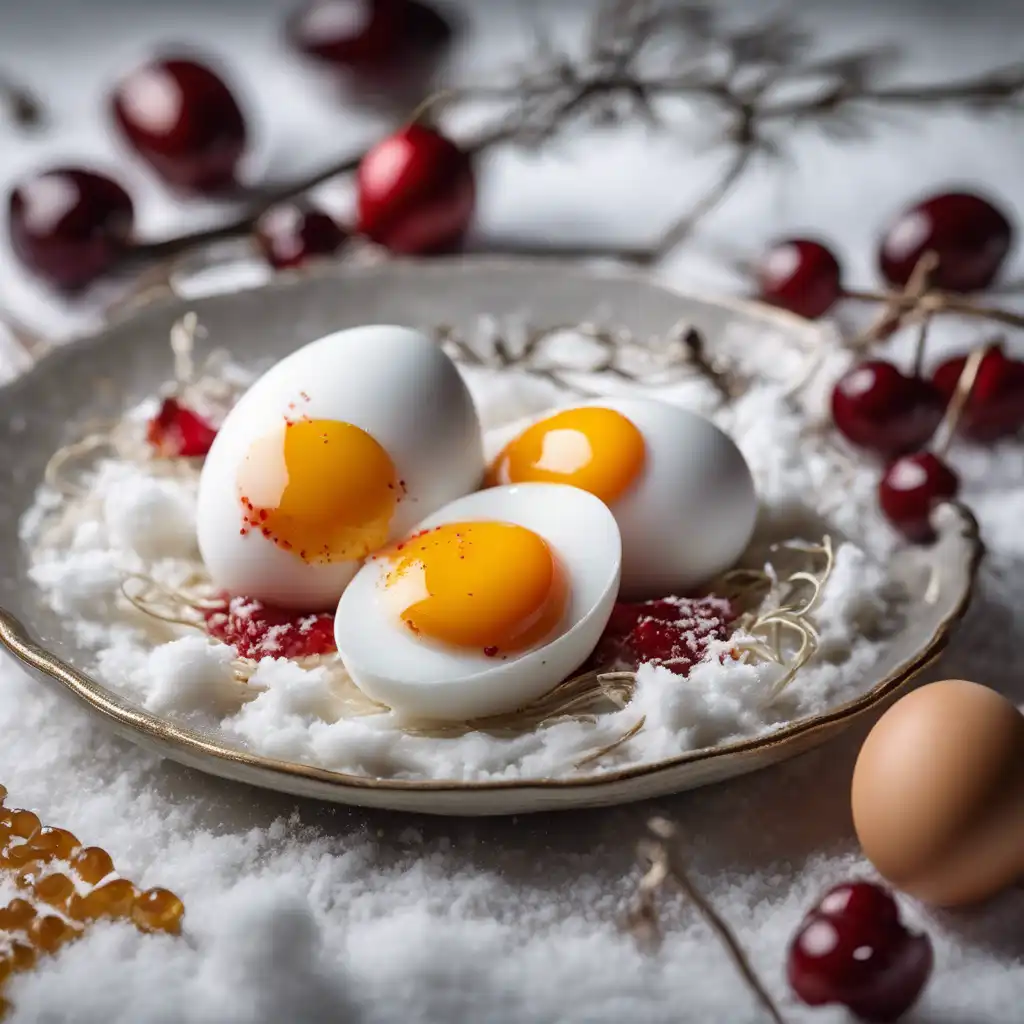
x=23, y=956
x=3, y=793
x=6, y=969
x=55, y=889
x=92, y=864
x=114, y=899
x=16, y=915
x=30, y=874
x=5, y=815
x=56, y=841
x=24, y=853
x=24, y=823
x=51, y=932
x=158, y=910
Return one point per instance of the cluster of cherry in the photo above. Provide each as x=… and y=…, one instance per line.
x=876, y=406
x=72, y=225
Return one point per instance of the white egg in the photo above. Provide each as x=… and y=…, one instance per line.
x=684, y=495
x=422, y=677
x=403, y=438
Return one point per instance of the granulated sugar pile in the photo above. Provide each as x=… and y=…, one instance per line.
x=135, y=517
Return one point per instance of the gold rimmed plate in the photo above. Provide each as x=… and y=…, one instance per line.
x=97, y=377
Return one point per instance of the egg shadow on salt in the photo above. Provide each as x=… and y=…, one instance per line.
x=508, y=845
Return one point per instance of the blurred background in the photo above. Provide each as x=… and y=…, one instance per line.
x=602, y=186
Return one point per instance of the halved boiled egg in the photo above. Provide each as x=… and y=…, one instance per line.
x=679, y=488
x=336, y=450
x=487, y=605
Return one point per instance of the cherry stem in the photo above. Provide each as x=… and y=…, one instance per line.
x=922, y=338
x=668, y=865
x=418, y=116
x=961, y=395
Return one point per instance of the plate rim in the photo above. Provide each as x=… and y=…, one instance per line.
x=19, y=642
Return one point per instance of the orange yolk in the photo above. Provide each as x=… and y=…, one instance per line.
x=324, y=490
x=486, y=585
x=597, y=450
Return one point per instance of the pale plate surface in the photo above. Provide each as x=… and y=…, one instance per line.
x=98, y=377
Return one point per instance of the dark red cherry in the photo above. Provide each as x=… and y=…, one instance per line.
x=874, y=406
x=911, y=489
x=184, y=121
x=69, y=226
x=292, y=233
x=416, y=192
x=800, y=275
x=995, y=408
x=852, y=949
x=377, y=38
x=968, y=234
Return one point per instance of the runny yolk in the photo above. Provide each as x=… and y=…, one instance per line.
x=324, y=490
x=493, y=586
x=595, y=449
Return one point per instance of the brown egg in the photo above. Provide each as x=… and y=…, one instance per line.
x=938, y=793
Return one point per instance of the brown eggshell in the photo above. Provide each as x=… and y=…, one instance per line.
x=938, y=793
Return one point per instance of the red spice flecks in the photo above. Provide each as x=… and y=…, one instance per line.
x=491, y=652
x=675, y=632
x=178, y=432
x=257, y=631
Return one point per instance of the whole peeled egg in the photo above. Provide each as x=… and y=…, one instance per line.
x=334, y=451
x=678, y=486
x=938, y=793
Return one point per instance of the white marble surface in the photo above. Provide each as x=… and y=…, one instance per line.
x=305, y=914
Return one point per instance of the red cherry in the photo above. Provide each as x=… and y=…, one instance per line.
x=800, y=275
x=995, y=408
x=968, y=234
x=70, y=226
x=292, y=233
x=416, y=192
x=376, y=38
x=911, y=489
x=852, y=949
x=183, y=120
x=874, y=406
x=178, y=432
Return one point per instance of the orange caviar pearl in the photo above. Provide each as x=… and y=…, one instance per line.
x=29, y=876
x=16, y=915
x=23, y=956
x=25, y=853
x=24, y=823
x=92, y=864
x=6, y=969
x=158, y=910
x=115, y=899
x=3, y=793
x=5, y=815
x=55, y=889
x=58, y=842
x=51, y=932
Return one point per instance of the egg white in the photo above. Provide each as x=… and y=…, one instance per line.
x=392, y=382
x=423, y=679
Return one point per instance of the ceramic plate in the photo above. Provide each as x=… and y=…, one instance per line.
x=96, y=377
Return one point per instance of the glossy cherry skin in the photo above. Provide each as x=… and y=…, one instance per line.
x=373, y=37
x=290, y=234
x=184, y=122
x=911, y=489
x=416, y=192
x=852, y=949
x=70, y=226
x=968, y=234
x=995, y=408
x=800, y=275
x=876, y=407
